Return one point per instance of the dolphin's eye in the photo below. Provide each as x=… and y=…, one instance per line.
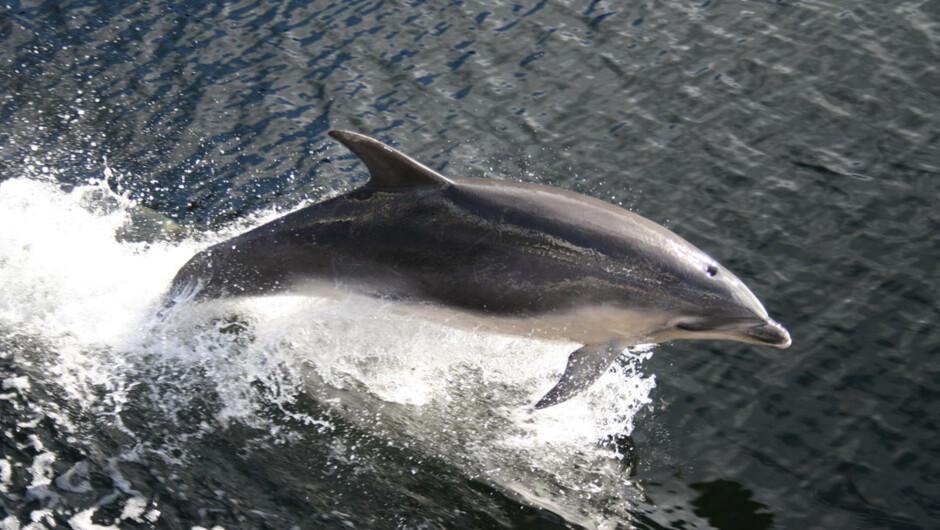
x=711, y=270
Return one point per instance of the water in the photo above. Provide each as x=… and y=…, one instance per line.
x=794, y=142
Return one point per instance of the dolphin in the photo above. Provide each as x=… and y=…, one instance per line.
x=508, y=257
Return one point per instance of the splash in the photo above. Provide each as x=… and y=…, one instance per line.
x=95, y=298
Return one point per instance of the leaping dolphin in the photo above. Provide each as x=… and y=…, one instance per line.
x=519, y=258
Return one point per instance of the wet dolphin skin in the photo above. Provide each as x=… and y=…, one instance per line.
x=508, y=257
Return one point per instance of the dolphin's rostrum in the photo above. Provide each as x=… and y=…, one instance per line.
x=509, y=257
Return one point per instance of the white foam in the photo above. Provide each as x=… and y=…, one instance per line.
x=468, y=396
x=64, y=272
x=82, y=521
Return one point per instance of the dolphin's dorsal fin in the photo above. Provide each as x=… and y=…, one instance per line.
x=389, y=168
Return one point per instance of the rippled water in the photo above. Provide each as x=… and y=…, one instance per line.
x=795, y=142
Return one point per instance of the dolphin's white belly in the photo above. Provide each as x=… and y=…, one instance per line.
x=584, y=325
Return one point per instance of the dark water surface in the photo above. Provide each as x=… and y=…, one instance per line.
x=795, y=142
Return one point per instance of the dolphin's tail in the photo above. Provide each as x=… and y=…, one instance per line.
x=183, y=293
x=191, y=282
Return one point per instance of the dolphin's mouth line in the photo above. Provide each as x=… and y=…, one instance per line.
x=718, y=324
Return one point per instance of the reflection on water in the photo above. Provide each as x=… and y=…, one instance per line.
x=729, y=506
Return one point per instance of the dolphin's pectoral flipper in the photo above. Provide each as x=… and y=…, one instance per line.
x=585, y=366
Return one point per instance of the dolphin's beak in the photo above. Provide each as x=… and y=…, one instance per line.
x=763, y=331
x=769, y=333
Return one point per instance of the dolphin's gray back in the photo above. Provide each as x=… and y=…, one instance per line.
x=505, y=248
x=489, y=246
